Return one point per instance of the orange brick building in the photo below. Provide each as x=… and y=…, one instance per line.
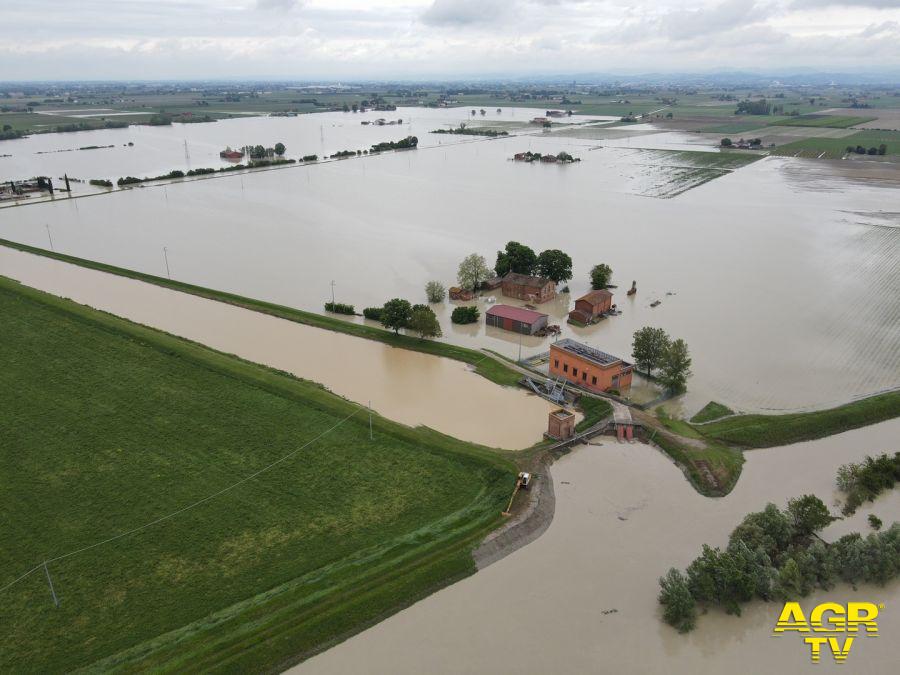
x=588, y=367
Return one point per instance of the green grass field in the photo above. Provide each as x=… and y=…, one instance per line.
x=835, y=148
x=833, y=121
x=764, y=431
x=486, y=366
x=109, y=426
x=711, y=411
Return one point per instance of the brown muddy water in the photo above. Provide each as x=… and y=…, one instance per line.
x=582, y=598
x=412, y=388
x=782, y=276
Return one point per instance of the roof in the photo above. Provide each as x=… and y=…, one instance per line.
x=526, y=280
x=587, y=352
x=515, y=313
x=595, y=296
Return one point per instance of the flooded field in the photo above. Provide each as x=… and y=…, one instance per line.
x=782, y=276
x=406, y=386
x=582, y=598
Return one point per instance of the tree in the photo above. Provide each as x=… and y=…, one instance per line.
x=555, y=265
x=515, y=257
x=726, y=143
x=679, y=608
x=601, y=275
x=435, y=291
x=396, y=314
x=676, y=366
x=808, y=514
x=769, y=530
x=790, y=584
x=648, y=347
x=882, y=149
x=465, y=314
x=424, y=322
x=279, y=149
x=473, y=271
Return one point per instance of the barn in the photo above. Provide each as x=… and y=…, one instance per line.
x=516, y=319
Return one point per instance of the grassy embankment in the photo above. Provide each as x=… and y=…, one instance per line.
x=765, y=431
x=711, y=411
x=831, y=121
x=109, y=425
x=484, y=365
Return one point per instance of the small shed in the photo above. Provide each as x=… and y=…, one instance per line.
x=516, y=319
x=590, y=307
x=561, y=425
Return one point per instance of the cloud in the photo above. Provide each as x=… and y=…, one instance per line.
x=726, y=16
x=280, y=5
x=819, y=4
x=466, y=12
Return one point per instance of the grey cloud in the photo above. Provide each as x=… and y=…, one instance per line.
x=465, y=12
x=819, y=4
x=726, y=16
x=282, y=5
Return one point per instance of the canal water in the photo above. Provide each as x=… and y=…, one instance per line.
x=782, y=276
x=582, y=597
x=410, y=387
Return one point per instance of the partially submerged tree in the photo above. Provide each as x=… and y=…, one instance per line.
x=648, y=347
x=601, y=275
x=473, y=271
x=424, y=322
x=515, y=257
x=808, y=515
x=396, y=314
x=435, y=291
x=279, y=149
x=676, y=366
x=679, y=608
x=555, y=265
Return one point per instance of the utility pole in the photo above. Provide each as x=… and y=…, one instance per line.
x=166, y=256
x=50, y=581
x=47, y=225
x=332, y=293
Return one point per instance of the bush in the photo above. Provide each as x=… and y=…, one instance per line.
x=435, y=291
x=875, y=522
x=128, y=180
x=464, y=315
x=101, y=182
x=339, y=308
x=679, y=608
x=865, y=480
x=310, y=158
x=373, y=313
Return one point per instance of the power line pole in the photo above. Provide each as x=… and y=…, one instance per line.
x=50, y=581
x=166, y=256
x=332, y=293
x=47, y=225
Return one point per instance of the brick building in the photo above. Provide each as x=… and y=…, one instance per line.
x=590, y=307
x=516, y=319
x=528, y=288
x=589, y=367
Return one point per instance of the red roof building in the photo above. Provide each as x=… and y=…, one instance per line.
x=516, y=319
x=590, y=307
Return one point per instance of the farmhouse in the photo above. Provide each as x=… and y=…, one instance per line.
x=589, y=367
x=590, y=307
x=515, y=319
x=528, y=288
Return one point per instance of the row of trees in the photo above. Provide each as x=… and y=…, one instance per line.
x=775, y=554
x=863, y=481
x=552, y=264
x=860, y=150
x=399, y=313
x=653, y=349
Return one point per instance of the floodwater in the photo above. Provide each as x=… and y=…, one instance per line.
x=406, y=386
x=782, y=276
x=582, y=598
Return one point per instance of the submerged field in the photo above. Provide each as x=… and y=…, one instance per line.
x=111, y=426
x=835, y=148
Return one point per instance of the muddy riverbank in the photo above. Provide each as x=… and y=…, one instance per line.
x=409, y=387
x=582, y=597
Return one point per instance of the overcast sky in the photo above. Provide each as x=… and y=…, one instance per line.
x=384, y=39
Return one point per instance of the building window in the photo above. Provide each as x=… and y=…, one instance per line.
x=594, y=380
x=584, y=375
x=565, y=367
x=615, y=381
x=575, y=372
x=556, y=363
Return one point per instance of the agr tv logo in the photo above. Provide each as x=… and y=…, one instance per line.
x=828, y=623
